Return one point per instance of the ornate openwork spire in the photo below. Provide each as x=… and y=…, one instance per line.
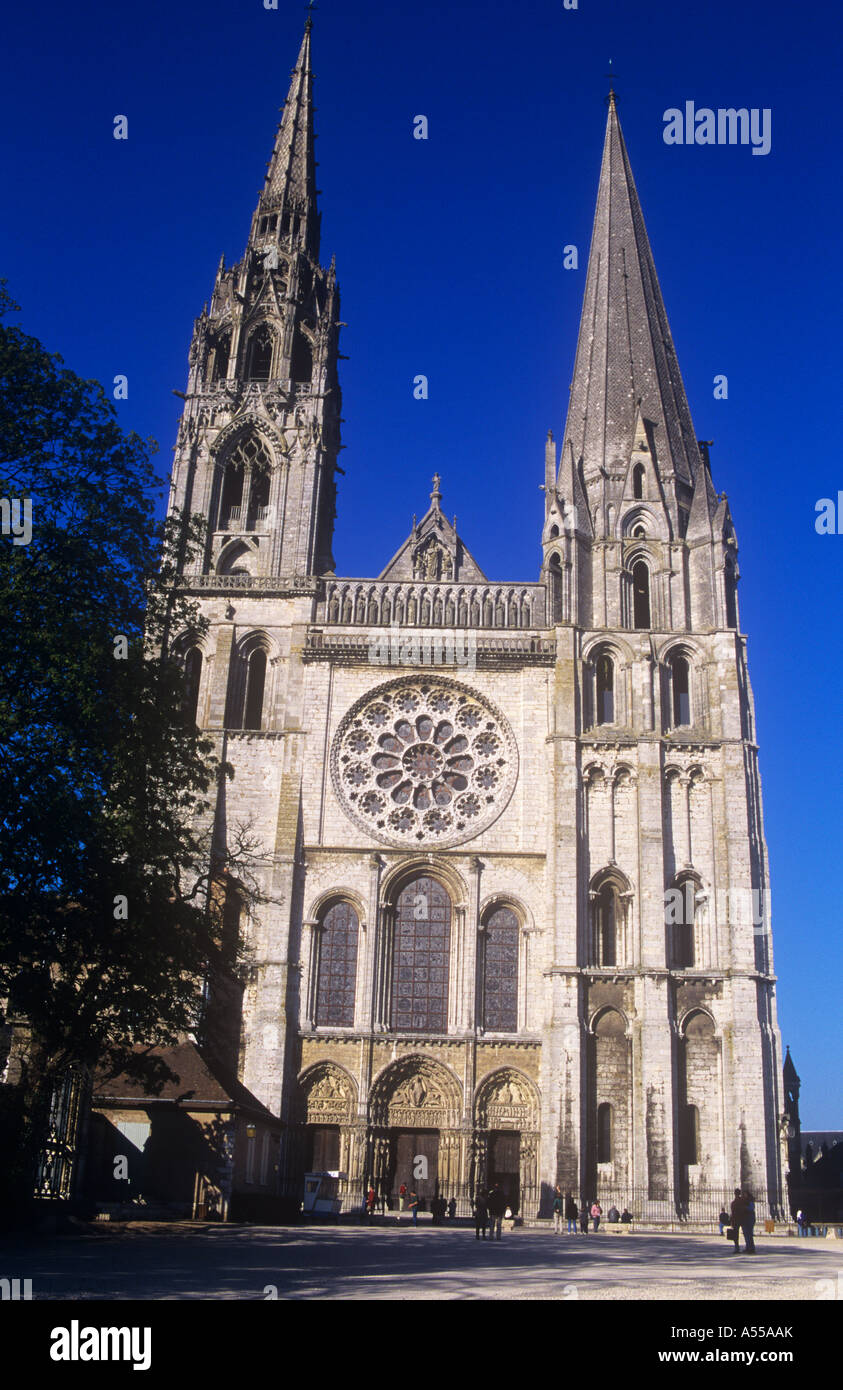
x=289, y=193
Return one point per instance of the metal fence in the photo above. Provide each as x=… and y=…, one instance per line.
x=697, y=1206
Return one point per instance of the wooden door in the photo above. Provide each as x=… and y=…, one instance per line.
x=409, y=1146
x=323, y=1148
x=504, y=1166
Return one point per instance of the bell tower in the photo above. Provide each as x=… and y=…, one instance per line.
x=258, y=440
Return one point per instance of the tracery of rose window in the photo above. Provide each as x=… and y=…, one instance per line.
x=424, y=761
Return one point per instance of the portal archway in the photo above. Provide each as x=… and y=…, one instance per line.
x=415, y=1138
x=506, y=1139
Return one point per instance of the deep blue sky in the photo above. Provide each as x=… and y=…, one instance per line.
x=449, y=254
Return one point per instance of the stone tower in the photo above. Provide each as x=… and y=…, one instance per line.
x=263, y=377
x=514, y=917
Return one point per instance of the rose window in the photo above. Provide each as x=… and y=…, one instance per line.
x=424, y=762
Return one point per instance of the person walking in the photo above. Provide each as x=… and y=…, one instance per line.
x=370, y=1203
x=596, y=1213
x=497, y=1207
x=558, y=1211
x=748, y=1222
x=735, y=1213
x=571, y=1214
x=584, y=1216
x=481, y=1215
x=413, y=1205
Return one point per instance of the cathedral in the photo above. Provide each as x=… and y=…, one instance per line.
x=513, y=916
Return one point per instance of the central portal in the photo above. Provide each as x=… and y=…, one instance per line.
x=414, y=1161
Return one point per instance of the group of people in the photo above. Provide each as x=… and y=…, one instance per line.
x=740, y=1217
x=409, y=1200
x=490, y=1208
x=565, y=1208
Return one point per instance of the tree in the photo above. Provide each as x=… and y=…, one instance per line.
x=107, y=926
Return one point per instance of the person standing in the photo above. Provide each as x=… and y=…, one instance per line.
x=402, y=1196
x=571, y=1214
x=748, y=1222
x=558, y=1211
x=370, y=1203
x=452, y=1209
x=413, y=1205
x=613, y=1215
x=596, y=1213
x=735, y=1213
x=801, y=1223
x=481, y=1215
x=497, y=1207
x=584, y=1216
x=723, y=1219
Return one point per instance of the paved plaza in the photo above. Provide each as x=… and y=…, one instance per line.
x=387, y=1262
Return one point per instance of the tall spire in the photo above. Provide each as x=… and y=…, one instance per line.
x=626, y=362
x=289, y=194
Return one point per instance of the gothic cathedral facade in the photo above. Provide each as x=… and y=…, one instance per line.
x=513, y=917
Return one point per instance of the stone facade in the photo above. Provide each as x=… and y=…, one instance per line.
x=514, y=879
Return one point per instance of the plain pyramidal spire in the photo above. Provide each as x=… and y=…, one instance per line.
x=626, y=363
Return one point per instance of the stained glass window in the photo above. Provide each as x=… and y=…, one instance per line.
x=337, y=967
x=500, y=972
x=421, y=958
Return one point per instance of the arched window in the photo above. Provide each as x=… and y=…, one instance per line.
x=606, y=921
x=301, y=364
x=638, y=481
x=681, y=923
x=604, y=1133
x=255, y=681
x=731, y=595
x=680, y=682
x=500, y=972
x=218, y=358
x=421, y=958
x=605, y=689
x=259, y=355
x=554, y=574
x=192, y=677
x=246, y=482
x=337, y=967
x=640, y=595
